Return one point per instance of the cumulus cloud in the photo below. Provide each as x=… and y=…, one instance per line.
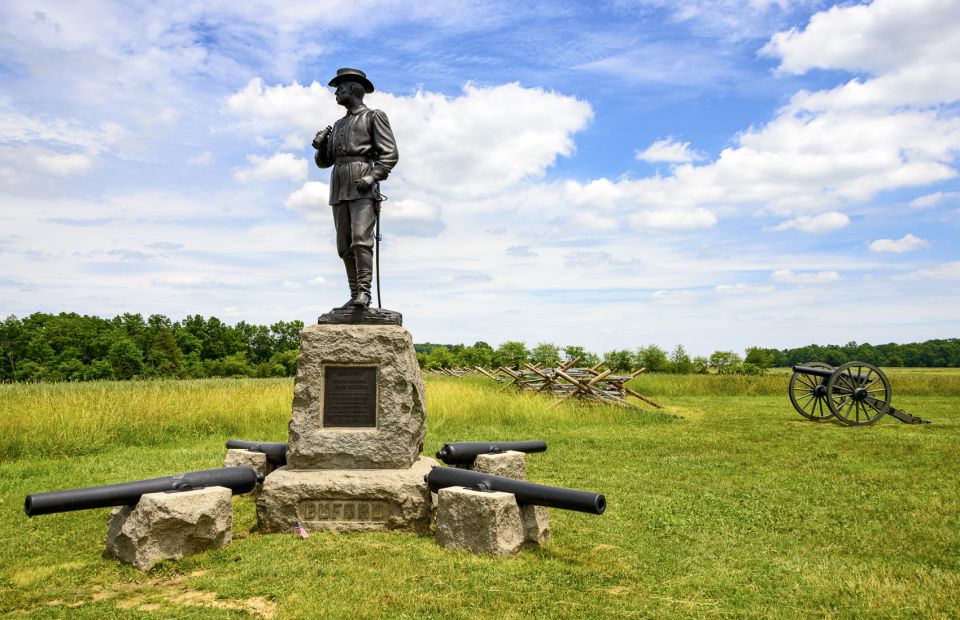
x=944, y=271
x=65, y=165
x=592, y=222
x=277, y=166
x=898, y=246
x=479, y=143
x=201, y=159
x=669, y=150
x=520, y=251
x=815, y=224
x=680, y=296
x=933, y=200
x=788, y=276
x=312, y=199
x=673, y=219
x=411, y=217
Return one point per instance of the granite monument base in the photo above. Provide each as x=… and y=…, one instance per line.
x=347, y=500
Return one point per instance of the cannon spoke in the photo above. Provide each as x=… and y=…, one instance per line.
x=808, y=392
x=862, y=393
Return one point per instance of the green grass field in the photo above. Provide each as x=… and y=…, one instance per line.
x=740, y=509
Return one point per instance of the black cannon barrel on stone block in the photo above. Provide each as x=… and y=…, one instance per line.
x=464, y=452
x=525, y=492
x=276, y=452
x=237, y=479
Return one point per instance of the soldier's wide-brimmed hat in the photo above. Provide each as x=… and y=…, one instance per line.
x=346, y=74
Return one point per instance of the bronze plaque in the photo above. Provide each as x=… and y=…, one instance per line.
x=350, y=396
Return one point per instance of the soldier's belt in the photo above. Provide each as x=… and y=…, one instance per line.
x=350, y=160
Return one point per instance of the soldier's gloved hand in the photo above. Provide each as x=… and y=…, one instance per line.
x=365, y=182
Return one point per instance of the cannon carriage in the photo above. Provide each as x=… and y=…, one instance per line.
x=856, y=394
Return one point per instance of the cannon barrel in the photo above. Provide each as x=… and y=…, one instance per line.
x=525, y=492
x=816, y=372
x=465, y=452
x=237, y=479
x=276, y=452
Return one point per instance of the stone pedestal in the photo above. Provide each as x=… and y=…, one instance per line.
x=355, y=436
x=358, y=399
x=347, y=500
x=483, y=522
x=488, y=522
x=169, y=526
x=247, y=458
x=508, y=464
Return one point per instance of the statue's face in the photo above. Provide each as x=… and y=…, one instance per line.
x=347, y=93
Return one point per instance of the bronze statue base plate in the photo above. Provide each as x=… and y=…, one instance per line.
x=361, y=316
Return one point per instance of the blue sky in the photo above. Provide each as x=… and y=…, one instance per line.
x=718, y=174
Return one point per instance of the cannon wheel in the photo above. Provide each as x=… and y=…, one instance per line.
x=809, y=394
x=858, y=393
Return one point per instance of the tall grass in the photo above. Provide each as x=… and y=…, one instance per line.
x=908, y=382
x=71, y=419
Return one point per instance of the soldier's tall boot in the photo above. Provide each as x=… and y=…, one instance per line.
x=351, y=265
x=364, y=257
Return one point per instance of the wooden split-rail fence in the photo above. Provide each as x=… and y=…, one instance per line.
x=565, y=381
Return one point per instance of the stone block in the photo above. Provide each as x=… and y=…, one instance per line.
x=536, y=526
x=484, y=522
x=508, y=464
x=358, y=399
x=169, y=526
x=348, y=500
x=247, y=458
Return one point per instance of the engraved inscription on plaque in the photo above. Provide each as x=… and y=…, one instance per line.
x=350, y=396
x=317, y=511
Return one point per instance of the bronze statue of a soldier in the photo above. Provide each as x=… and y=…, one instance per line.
x=362, y=150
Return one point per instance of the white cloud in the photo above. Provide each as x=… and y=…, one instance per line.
x=788, y=276
x=318, y=281
x=290, y=284
x=520, y=251
x=675, y=296
x=898, y=246
x=815, y=224
x=479, y=143
x=743, y=289
x=201, y=159
x=945, y=271
x=185, y=282
x=932, y=200
x=65, y=165
x=669, y=150
x=277, y=166
x=411, y=217
x=591, y=222
x=673, y=219
x=312, y=199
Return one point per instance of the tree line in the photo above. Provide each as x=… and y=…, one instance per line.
x=73, y=347
x=755, y=360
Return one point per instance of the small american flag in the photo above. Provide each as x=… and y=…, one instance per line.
x=298, y=529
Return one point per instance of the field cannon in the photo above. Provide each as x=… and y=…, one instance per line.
x=525, y=492
x=856, y=393
x=464, y=452
x=237, y=479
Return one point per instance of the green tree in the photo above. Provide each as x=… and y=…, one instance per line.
x=586, y=358
x=125, y=357
x=680, y=362
x=759, y=357
x=726, y=362
x=653, y=358
x=545, y=354
x=618, y=360
x=701, y=365
x=511, y=353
